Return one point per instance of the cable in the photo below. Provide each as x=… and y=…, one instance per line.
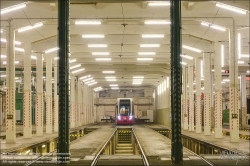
x=206, y=30
x=36, y=30
x=124, y=25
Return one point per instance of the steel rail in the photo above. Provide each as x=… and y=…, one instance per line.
x=33, y=161
x=202, y=158
x=144, y=158
x=100, y=151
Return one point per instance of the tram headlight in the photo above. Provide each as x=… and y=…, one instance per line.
x=119, y=117
x=130, y=117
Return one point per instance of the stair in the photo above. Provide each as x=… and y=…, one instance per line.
x=124, y=149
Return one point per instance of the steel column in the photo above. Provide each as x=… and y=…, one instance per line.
x=39, y=94
x=177, y=148
x=27, y=127
x=218, y=92
x=198, y=95
x=10, y=87
x=233, y=88
x=207, y=93
x=63, y=82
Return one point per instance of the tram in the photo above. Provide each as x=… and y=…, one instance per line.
x=124, y=112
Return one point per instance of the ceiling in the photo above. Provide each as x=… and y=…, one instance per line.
x=124, y=58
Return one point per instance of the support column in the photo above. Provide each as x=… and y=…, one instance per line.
x=79, y=111
x=76, y=104
x=198, y=95
x=10, y=87
x=27, y=126
x=185, y=100
x=207, y=93
x=1, y=109
x=212, y=100
x=233, y=88
x=176, y=146
x=191, y=97
x=39, y=94
x=55, y=96
x=48, y=96
x=63, y=82
x=72, y=101
x=243, y=101
x=218, y=92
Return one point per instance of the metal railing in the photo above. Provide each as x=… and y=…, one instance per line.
x=100, y=151
x=144, y=158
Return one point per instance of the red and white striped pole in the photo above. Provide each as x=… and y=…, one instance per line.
x=27, y=126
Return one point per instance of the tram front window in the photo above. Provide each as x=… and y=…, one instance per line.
x=124, y=111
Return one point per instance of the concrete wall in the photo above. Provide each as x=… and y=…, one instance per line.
x=163, y=116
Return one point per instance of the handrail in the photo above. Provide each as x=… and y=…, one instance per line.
x=202, y=158
x=144, y=158
x=100, y=151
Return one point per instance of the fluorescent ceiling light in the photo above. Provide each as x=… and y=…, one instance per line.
x=51, y=50
x=102, y=59
x=87, y=22
x=88, y=76
x=3, y=56
x=88, y=79
x=107, y=72
x=213, y=26
x=109, y=77
x=2, y=75
x=100, y=53
x=98, y=88
x=231, y=8
x=146, y=53
x=136, y=83
x=187, y=57
x=150, y=45
x=223, y=82
x=244, y=56
x=191, y=48
x=226, y=80
x=144, y=59
x=78, y=70
x=183, y=63
x=30, y=27
x=222, y=71
x=75, y=66
x=1, y=30
x=16, y=62
x=33, y=57
x=248, y=71
x=138, y=77
x=113, y=85
x=19, y=49
x=153, y=36
x=88, y=82
x=159, y=4
x=97, y=45
x=92, y=36
x=111, y=80
x=92, y=83
x=12, y=8
x=56, y=58
x=72, y=60
x=3, y=40
x=159, y=22
x=18, y=42
x=240, y=62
